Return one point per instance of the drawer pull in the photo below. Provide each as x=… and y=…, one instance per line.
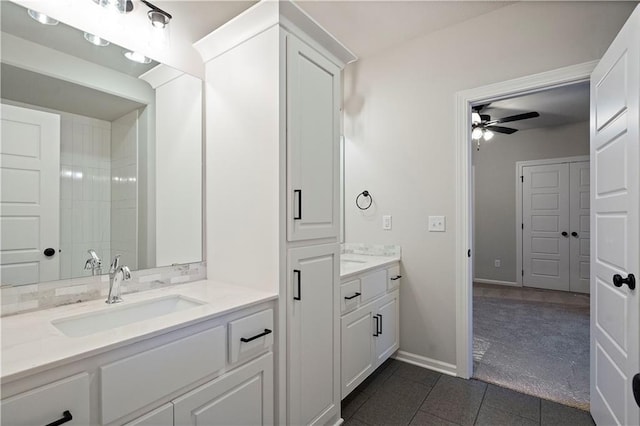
x=352, y=297
x=397, y=277
x=298, y=274
x=257, y=336
x=376, y=334
x=66, y=417
x=380, y=331
x=299, y=215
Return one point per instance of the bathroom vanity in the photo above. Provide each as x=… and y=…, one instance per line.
x=369, y=297
x=81, y=362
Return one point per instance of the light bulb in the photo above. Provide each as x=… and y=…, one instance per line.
x=137, y=57
x=42, y=18
x=476, y=133
x=475, y=118
x=95, y=40
x=488, y=134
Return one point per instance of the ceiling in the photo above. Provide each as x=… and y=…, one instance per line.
x=559, y=106
x=368, y=27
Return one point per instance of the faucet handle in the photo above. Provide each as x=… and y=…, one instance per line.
x=126, y=273
x=115, y=264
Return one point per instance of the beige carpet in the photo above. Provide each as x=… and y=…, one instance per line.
x=533, y=341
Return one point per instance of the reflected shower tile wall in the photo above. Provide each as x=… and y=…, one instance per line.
x=370, y=249
x=124, y=189
x=85, y=192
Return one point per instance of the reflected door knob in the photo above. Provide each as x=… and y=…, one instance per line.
x=630, y=281
x=574, y=234
x=564, y=234
x=49, y=252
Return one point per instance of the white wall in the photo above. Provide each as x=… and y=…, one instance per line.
x=495, y=190
x=399, y=129
x=179, y=171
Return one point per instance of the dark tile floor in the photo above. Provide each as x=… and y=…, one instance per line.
x=398, y=393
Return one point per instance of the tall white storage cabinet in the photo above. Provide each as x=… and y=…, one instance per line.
x=272, y=190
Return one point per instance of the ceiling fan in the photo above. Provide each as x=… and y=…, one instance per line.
x=483, y=127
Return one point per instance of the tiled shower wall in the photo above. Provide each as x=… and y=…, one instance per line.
x=124, y=189
x=85, y=193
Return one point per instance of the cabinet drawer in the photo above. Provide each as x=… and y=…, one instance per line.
x=139, y=380
x=394, y=277
x=47, y=404
x=257, y=332
x=347, y=292
x=373, y=284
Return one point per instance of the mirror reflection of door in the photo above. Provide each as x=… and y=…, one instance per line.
x=29, y=198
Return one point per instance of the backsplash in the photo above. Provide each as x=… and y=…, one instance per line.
x=19, y=299
x=370, y=249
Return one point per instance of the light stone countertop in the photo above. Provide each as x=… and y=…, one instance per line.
x=30, y=343
x=353, y=264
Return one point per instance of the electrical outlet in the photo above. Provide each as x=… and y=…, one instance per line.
x=437, y=224
x=386, y=222
x=497, y=263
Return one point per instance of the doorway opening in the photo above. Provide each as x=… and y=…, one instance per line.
x=465, y=100
x=530, y=185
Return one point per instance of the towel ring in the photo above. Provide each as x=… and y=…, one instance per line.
x=365, y=194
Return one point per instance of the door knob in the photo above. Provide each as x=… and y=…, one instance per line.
x=49, y=252
x=574, y=234
x=630, y=281
x=635, y=385
x=564, y=234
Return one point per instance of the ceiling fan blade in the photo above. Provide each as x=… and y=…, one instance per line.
x=500, y=129
x=517, y=117
x=479, y=108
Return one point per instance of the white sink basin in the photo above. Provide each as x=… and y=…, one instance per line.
x=122, y=314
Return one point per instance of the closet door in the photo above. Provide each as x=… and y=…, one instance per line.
x=545, y=211
x=579, y=223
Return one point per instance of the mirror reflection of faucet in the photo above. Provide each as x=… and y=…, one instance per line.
x=117, y=274
x=94, y=263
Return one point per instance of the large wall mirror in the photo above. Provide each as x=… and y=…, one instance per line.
x=100, y=156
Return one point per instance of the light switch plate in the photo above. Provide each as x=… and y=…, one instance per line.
x=437, y=224
x=386, y=222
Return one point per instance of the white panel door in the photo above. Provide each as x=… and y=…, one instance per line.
x=615, y=234
x=313, y=143
x=29, y=195
x=579, y=226
x=313, y=343
x=545, y=236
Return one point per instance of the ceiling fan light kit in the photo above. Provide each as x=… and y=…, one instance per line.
x=483, y=127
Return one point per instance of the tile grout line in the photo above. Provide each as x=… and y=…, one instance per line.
x=425, y=398
x=486, y=388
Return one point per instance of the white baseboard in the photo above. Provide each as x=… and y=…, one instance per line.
x=423, y=361
x=497, y=282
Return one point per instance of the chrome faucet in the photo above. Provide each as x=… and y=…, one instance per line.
x=117, y=274
x=94, y=263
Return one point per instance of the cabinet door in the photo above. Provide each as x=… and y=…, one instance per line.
x=313, y=356
x=162, y=416
x=357, y=361
x=313, y=142
x=387, y=341
x=242, y=397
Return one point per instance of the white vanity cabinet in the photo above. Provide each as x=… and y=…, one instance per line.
x=369, y=328
x=218, y=371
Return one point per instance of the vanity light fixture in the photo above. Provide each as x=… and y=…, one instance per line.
x=95, y=40
x=137, y=57
x=121, y=6
x=41, y=17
